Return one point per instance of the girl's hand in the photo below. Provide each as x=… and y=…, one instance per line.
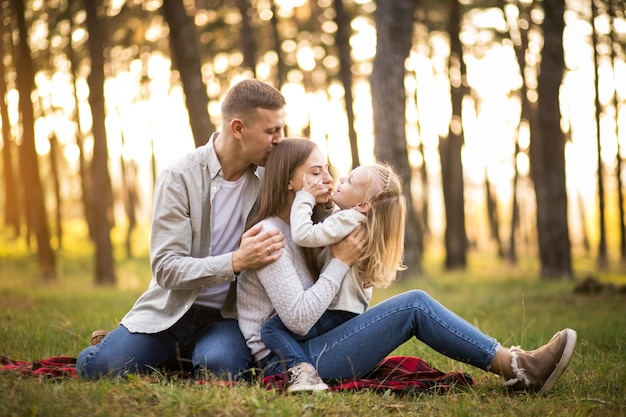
x=317, y=188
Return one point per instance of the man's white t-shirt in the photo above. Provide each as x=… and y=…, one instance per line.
x=225, y=234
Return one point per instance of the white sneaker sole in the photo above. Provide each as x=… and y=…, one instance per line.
x=568, y=351
x=307, y=388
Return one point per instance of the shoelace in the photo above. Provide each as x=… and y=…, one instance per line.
x=295, y=374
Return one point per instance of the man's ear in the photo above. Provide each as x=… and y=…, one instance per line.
x=236, y=127
x=363, y=207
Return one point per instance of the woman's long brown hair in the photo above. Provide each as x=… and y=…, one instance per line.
x=284, y=158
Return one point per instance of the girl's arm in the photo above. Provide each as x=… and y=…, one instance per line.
x=330, y=231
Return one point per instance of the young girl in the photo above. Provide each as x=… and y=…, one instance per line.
x=370, y=196
x=290, y=288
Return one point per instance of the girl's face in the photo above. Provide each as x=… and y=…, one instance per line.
x=315, y=168
x=352, y=190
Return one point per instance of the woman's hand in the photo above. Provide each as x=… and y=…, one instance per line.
x=351, y=248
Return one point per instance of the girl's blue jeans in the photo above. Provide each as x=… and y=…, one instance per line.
x=355, y=347
x=201, y=341
x=285, y=344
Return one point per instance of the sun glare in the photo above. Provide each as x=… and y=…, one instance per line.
x=146, y=110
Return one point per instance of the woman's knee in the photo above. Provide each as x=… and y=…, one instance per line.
x=417, y=297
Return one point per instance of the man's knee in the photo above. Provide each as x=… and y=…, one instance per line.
x=224, y=365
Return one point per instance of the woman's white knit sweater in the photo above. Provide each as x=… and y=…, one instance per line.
x=284, y=287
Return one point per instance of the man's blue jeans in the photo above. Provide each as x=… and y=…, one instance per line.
x=355, y=347
x=201, y=341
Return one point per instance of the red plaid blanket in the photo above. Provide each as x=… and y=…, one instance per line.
x=403, y=374
x=54, y=367
x=397, y=373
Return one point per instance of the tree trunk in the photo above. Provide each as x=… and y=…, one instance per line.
x=184, y=48
x=618, y=171
x=281, y=68
x=518, y=33
x=450, y=151
x=83, y=168
x=423, y=210
x=28, y=162
x=342, y=41
x=583, y=222
x=56, y=185
x=492, y=215
x=130, y=196
x=547, y=152
x=394, y=25
x=100, y=179
x=247, y=37
x=11, y=190
x=602, y=250
x=425, y=213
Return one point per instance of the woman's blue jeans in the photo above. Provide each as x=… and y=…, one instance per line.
x=201, y=341
x=355, y=347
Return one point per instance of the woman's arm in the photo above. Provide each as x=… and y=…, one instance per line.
x=298, y=301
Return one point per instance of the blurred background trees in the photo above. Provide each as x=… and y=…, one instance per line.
x=504, y=117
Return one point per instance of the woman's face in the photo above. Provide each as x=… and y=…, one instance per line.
x=315, y=168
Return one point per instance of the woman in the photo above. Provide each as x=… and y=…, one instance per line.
x=291, y=288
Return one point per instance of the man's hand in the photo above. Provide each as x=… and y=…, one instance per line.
x=351, y=248
x=258, y=248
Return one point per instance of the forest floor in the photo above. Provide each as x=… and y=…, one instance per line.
x=511, y=303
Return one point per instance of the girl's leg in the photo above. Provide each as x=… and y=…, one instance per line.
x=284, y=343
x=357, y=346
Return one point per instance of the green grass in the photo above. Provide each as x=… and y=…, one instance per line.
x=40, y=320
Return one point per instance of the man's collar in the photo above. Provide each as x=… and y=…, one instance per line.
x=215, y=168
x=213, y=162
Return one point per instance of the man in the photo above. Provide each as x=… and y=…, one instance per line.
x=187, y=315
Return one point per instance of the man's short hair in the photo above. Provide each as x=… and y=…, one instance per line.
x=248, y=95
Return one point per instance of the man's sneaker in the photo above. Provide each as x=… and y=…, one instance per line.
x=304, y=377
x=539, y=369
x=97, y=336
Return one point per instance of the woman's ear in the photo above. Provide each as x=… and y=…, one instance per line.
x=363, y=207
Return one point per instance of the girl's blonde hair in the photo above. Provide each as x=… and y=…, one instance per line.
x=385, y=228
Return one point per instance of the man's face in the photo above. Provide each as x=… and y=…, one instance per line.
x=260, y=134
